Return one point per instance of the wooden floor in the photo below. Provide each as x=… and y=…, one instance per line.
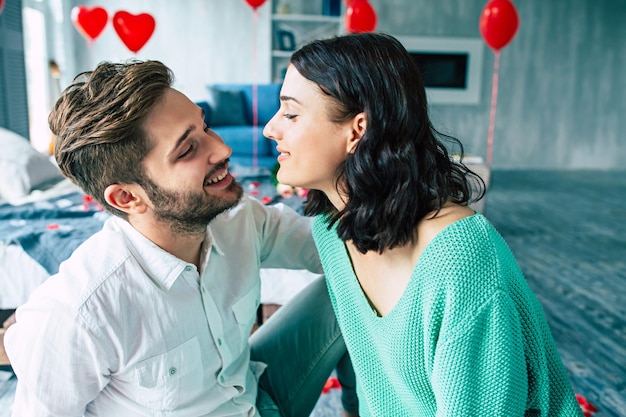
x=568, y=232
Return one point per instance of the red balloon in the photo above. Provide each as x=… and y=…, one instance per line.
x=89, y=21
x=1, y=6
x=255, y=4
x=360, y=16
x=133, y=30
x=498, y=23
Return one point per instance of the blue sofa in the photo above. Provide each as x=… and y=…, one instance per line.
x=228, y=110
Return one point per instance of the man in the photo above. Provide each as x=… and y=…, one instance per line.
x=151, y=316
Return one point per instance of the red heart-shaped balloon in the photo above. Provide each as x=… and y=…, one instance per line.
x=133, y=30
x=255, y=3
x=89, y=21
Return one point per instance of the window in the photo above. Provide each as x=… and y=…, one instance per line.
x=35, y=53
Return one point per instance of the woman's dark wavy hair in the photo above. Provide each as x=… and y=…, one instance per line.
x=400, y=171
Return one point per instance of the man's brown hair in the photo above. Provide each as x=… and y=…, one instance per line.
x=98, y=124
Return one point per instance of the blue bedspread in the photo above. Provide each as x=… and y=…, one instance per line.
x=50, y=230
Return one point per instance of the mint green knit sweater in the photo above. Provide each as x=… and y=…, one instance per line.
x=467, y=338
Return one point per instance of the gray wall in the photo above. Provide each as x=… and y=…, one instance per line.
x=562, y=78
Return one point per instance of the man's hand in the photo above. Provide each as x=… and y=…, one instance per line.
x=9, y=321
x=4, y=359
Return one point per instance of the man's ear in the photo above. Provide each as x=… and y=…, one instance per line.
x=128, y=198
x=358, y=127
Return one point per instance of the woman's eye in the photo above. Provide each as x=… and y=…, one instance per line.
x=206, y=128
x=289, y=116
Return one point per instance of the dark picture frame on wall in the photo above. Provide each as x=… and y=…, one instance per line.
x=451, y=67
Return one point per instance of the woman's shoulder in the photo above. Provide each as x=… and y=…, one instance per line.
x=462, y=240
x=434, y=224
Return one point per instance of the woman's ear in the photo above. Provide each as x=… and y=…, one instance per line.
x=358, y=128
x=128, y=198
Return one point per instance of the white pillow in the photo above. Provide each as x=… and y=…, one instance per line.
x=22, y=168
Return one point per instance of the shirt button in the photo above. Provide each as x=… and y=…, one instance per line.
x=222, y=379
x=203, y=289
x=188, y=268
x=172, y=371
x=219, y=342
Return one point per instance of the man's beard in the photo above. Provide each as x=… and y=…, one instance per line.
x=189, y=212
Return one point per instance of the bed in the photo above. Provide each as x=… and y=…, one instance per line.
x=37, y=235
x=43, y=217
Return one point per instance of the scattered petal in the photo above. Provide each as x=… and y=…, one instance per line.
x=302, y=192
x=331, y=383
x=588, y=408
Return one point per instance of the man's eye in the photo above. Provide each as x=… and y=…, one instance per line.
x=187, y=152
x=206, y=128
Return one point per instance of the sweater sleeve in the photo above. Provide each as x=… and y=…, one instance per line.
x=479, y=368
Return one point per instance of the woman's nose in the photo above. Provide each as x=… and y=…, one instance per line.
x=269, y=131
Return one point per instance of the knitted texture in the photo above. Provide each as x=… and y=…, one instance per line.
x=467, y=338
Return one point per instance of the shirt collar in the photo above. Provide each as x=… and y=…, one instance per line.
x=163, y=267
x=225, y=216
x=212, y=243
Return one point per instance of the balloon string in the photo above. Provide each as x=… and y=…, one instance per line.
x=255, y=99
x=492, y=112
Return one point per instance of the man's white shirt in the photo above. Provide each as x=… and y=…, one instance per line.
x=127, y=329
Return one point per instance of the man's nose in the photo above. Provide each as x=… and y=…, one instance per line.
x=219, y=151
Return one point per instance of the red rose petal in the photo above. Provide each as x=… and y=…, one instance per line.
x=331, y=383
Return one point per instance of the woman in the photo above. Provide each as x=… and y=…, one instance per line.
x=435, y=312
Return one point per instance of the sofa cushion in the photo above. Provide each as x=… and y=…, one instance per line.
x=268, y=99
x=227, y=107
x=204, y=105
